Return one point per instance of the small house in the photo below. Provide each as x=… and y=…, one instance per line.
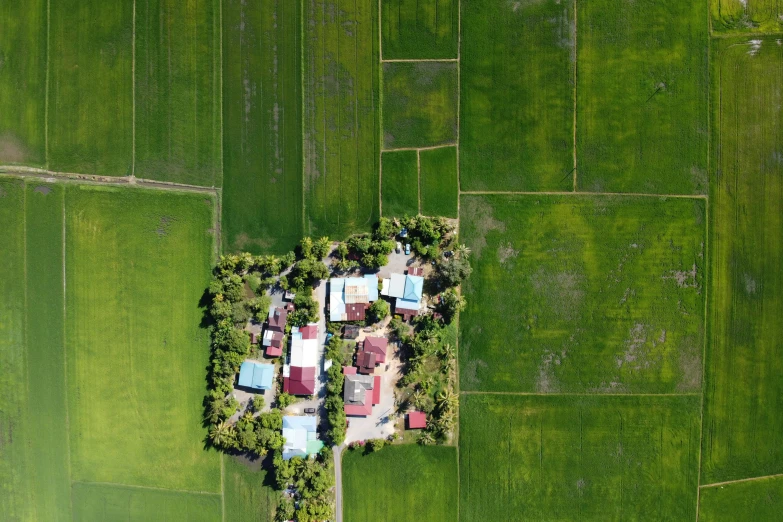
x=256, y=376
x=301, y=436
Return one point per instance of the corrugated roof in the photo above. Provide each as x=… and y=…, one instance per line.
x=372, y=287
x=414, y=286
x=256, y=375
x=404, y=304
x=397, y=285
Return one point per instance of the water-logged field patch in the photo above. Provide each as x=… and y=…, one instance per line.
x=580, y=457
x=583, y=294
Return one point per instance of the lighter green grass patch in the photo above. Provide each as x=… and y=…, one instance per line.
x=419, y=29
x=91, y=87
x=137, y=264
x=400, y=183
x=578, y=458
x=248, y=493
x=642, y=97
x=404, y=483
x=99, y=503
x=439, y=182
x=23, y=82
x=517, y=95
x=743, y=423
x=419, y=104
x=178, y=91
x=746, y=16
x=595, y=294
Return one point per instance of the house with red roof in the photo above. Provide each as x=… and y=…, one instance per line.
x=417, y=420
x=361, y=393
x=277, y=319
x=378, y=346
x=299, y=375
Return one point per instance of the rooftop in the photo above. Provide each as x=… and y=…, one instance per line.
x=256, y=375
x=417, y=420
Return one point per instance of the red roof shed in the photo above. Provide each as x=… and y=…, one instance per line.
x=417, y=420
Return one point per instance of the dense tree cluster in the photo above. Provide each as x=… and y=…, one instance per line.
x=312, y=479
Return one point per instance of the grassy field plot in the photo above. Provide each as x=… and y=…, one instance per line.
x=178, y=91
x=743, y=417
x=578, y=457
x=23, y=82
x=137, y=263
x=262, y=185
x=91, y=87
x=439, y=182
x=405, y=483
x=577, y=293
x=755, y=501
x=16, y=501
x=33, y=427
x=642, y=97
x=99, y=503
x=419, y=29
x=743, y=16
x=341, y=116
x=419, y=104
x=400, y=183
x=248, y=496
x=517, y=95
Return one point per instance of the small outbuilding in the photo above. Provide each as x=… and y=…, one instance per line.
x=417, y=420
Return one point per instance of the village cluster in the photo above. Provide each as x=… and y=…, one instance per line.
x=368, y=391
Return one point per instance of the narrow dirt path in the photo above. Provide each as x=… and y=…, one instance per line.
x=337, y=452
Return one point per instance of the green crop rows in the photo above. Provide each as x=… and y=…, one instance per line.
x=753, y=501
x=400, y=189
x=439, y=182
x=743, y=418
x=606, y=294
x=746, y=15
x=419, y=28
x=408, y=483
x=578, y=458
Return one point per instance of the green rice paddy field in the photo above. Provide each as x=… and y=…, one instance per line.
x=400, y=188
x=743, y=416
x=746, y=16
x=642, y=96
x=753, y=501
x=583, y=294
x=578, y=457
x=262, y=189
x=102, y=352
x=439, y=182
x=415, y=29
x=248, y=496
x=341, y=116
x=404, y=483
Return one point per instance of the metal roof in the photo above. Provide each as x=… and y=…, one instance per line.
x=397, y=285
x=414, y=286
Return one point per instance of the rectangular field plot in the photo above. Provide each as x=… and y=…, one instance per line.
x=23, y=83
x=262, y=185
x=91, y=86
x=419, y=104
x=743, y=423
x=137, y=263
x=407, y=483
x=400, y=183
x=746, y=16
x=642, y=97
x=419, y=29
x=597, y=294
x=753, y=501
x=33, y=428
x=578, y=458
x=517, y=95
x=98, y=503
x=178, y=91
x=439, y=182
x=341, y=116
x=248, y=494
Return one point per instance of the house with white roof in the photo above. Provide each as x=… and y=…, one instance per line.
x=299, y=374
x=349, y=297
x=301, y=438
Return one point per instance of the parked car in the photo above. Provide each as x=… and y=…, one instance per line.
x=309, y=410
x=399, y=247
x=407, y=249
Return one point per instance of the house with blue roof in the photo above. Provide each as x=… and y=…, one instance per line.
x=301, y=438
x=256, y=375
x=407, y=290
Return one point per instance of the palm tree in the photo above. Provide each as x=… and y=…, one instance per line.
x=417, y=399
x=447, y=400
x=462, y=251
x=213, y=410
x=220, y=434
x=447, y=351
x=426, y=439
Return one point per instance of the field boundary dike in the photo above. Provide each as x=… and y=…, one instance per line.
x=579, y=394
x=150, y=488
x=751, y=479
x=580, y=193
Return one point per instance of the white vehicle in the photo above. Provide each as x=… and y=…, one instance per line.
x=399, y=247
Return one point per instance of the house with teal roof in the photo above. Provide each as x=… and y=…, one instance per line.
x=301, y=437
x=256, y=375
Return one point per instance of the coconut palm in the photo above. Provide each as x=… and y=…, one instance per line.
x=426, y=439
x=447, y=400
x=462, y=251
x=213, y=411
x=417, y=399
x=220, y=434
x=447, y=351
